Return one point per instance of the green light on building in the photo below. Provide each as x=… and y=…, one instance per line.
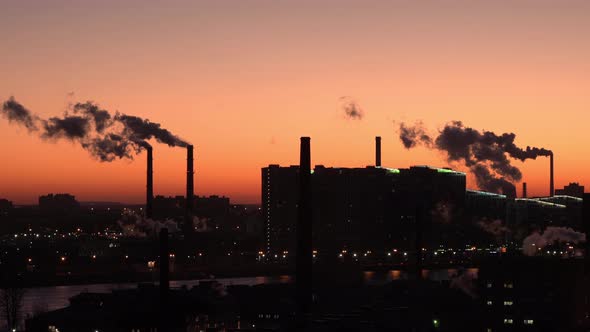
x=393, y=170
x=436, y=323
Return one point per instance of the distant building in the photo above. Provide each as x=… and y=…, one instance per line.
x=58, y=203
x=5, y=205
x=280, y=193
x=534, y=294
x=573, y=189
x=481, y=204
x=215, y=208
x=362, y=209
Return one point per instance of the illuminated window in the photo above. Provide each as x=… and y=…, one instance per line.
x=508, y=321
x=488, y=330
x=508, y=303
x=490, y=303
x=508, y=285
x=489, y=285
x=529, y=322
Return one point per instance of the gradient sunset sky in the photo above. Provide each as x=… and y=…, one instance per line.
x=243, y=80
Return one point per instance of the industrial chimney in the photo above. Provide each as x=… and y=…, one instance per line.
x=164, y=264
x=190, y=191
x=551, y=183
x=524, y=190
x=149, y=184
x=377, y=151
x=304, y=236
x=586, y=228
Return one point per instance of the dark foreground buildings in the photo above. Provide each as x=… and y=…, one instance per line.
x=358, y=209
x=372, y=209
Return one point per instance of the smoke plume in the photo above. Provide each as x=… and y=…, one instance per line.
x=532, y=243
x=412, y=135
x=485, y=153
x=135, y=225
x=494, y=227
x=351, y=108
x=105, y=136
x=15, y=112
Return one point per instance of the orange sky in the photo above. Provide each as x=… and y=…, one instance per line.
x=243, y=80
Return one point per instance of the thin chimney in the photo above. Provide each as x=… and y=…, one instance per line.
x=419, y=239
x=586, y=228
x=377, y=151
x=189, y=189
x=304, y=236
x=164, y=264
x=150, y=184
x=551, y=179
x=524, y=194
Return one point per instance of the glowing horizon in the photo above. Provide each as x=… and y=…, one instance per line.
x=242, y=82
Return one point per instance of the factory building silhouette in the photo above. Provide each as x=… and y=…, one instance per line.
x=373, y=208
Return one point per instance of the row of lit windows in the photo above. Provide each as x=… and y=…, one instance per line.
x=510, y=321
x=506, y=285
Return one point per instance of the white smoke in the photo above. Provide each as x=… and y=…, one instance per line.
x=532, y=243
x=135, y=225
x=200, y=224
x=494, y=227
x=465, y=282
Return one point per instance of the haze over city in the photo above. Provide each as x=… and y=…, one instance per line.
x=242, y=82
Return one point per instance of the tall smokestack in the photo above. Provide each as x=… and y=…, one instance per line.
x=164, y=311
x=377, y=151
x=551, y=183
x=164, y=264
x=586, y=228
x=304, y=238
x=419, y=239
x=190, y=191
x=150, y=184
x=524, y=190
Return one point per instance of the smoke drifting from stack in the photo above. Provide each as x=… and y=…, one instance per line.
x=105, y=136
x=414, y=135
x=351, y=108
x=532, y=243
x=484, y=153
x=15, y=112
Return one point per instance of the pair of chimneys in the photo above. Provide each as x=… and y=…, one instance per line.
x=189, y=185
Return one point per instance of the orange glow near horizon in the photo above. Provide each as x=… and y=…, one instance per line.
x=242, y=82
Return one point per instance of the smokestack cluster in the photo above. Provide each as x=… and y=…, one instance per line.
x=484, y=153
x=304, y=235
x=378, y=151
x=104, y=135
x=149, y=184
x=189, y=189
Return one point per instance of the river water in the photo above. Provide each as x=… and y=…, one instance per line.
x=43, y=299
